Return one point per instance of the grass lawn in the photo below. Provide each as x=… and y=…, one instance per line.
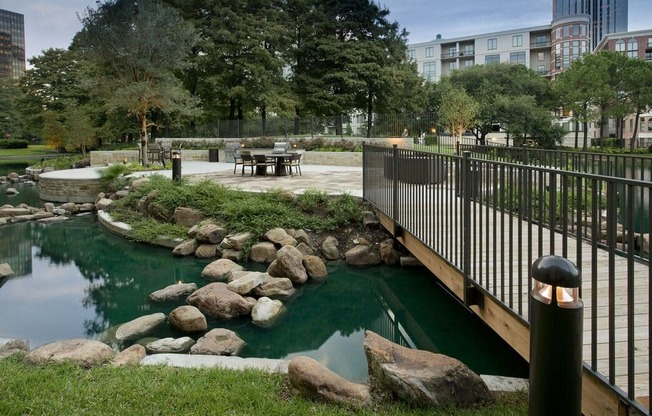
x=32, y=150
x=68, y=390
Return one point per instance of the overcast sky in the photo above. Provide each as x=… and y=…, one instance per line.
x=53, y=23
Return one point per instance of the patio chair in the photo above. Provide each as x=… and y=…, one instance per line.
x=247, y=162
x=154, y=152
x=263, y=161
x=294, y=161
x=238, y=158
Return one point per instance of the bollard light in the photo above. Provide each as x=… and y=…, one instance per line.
x=556, y=313
x=176, y=165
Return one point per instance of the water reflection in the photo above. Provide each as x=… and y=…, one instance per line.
x=83, y=281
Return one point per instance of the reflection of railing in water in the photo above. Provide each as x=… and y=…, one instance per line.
x=482, y=246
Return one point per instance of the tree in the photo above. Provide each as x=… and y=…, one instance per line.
x=79, y=127
x=522, y=118
x=637, y=85
x=458, y=110
x=136, y=46
x=11, y=121
x=54, y=132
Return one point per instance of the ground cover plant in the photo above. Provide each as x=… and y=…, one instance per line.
x=68, y=390
x=233, y=209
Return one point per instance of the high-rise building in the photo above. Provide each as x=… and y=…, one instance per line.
x=12, y=44
x=607, y=16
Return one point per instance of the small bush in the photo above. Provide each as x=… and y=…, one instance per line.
x=13, y=144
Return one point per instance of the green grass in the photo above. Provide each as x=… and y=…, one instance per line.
x=32, y=150
x=69, y=390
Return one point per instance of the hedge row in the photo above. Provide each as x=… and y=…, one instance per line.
x=13, y=144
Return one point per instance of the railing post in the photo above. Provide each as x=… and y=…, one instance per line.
x=395, y=210
x=471, y=294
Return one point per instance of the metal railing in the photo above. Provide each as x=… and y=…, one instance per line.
x=491, y=218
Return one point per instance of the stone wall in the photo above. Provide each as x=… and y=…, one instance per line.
x=68, y=190
x=103, y=158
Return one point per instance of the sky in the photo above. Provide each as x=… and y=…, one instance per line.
x=53, y=23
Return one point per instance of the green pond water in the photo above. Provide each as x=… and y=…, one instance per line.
x=74, y=279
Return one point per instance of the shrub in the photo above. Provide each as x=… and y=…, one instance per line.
x=13, y=144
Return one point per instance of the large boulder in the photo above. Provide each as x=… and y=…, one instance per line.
x=218, y=341
x=170, y=345
x=186, y=248
x=305, y=249
x=315, y=268
x=329, y=248
x=188, y=318
x=302, y=237
x=210, y=234
x=246, y=281
x=130, y=356
x=84, y=352
x=361, y=255
x=280, y=237
x=220, y=270
x=236, y=241
x=310, y=379
x=289, y=263
x=387, y=253
x=208, y=251
x=187, y=216
x=263, y=252
x=139, y=327
x=5, y=270
x=422, y=378
x=140, y=182
x=265, y=311
x=173, y=292
x=275, y=287
x=218, y=301
x=11, y=346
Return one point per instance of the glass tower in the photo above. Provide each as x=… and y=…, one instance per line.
x=12, y=44
x=607, y=16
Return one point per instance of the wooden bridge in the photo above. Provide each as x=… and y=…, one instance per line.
x=478, y=225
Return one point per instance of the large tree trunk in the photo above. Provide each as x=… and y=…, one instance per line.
x=577, y=133
x=297, y=122
x=263, y=122
x=338, y=125
x=142, y=118
x=635, y=132
x=232, y=121
x=240, y=121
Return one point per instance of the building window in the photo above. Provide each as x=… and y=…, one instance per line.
x=632, y=48
x=468, y=63
x=468, y=50
x=541, y=56
x=541, y=70
x=430, y=71
x=492, y=43
x=649, y=42
x=411, y=54
x=491, y=59
x=430, y=52
x=452, y=66
x=517, y=57
x=453, y=52
x=620, y=46
x=566, y=31
x=648, y=56
x=641, y=126
x=517, y=41
x=576, y=30
x=541, y=40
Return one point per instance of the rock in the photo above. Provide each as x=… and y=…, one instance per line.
x=51, y=220
x=187, y=216
x=139, y=327
x=220, y=270
x=315, y=268
x=48, y=169
x=29, y=183
x=289, y=263
x=218, y=341
x=130, y=356
x=192, y=232
x=42, y=215
x=279, y=237
x=644, y=243
x=98, y=197
x=329, y=248
x=5, y=270
x=14, y=212
x=236, y=241
x=70, y=207
x=370, y=220
x=186, y=248
x=13, y=346
x=387, y=253
x=84, y=352
x=103, y=204
x=246, y=282
x=170, y=345
x=11, y=191
x=310, y=379
x=216, y=300
x=137, y=183
x=361, y=256
x=265, y=311
x=143, y=203
x=87, y=207
x=173, y=292
x=233, y=255
x=361, y=241
x=188, y=318
x=13, y=175
x=302, y=237
x=208, y=251
x=122, y=193
x=305, y=249
x=83, y=163
x=275, y=287
x=48, y=206
x=210, y=234
x=263, y=252
x=60, y=211
x=422, y=378
x=410, y=261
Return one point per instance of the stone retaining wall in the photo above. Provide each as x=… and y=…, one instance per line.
x=68, y=190
x=103, y=157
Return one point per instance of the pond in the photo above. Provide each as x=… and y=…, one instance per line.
x=74, y=279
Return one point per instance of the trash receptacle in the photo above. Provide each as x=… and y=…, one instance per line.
x=213, y=155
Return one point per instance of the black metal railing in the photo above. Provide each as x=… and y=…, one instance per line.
x=490, y=218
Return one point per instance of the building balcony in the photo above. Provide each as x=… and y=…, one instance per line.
x=538, y=45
